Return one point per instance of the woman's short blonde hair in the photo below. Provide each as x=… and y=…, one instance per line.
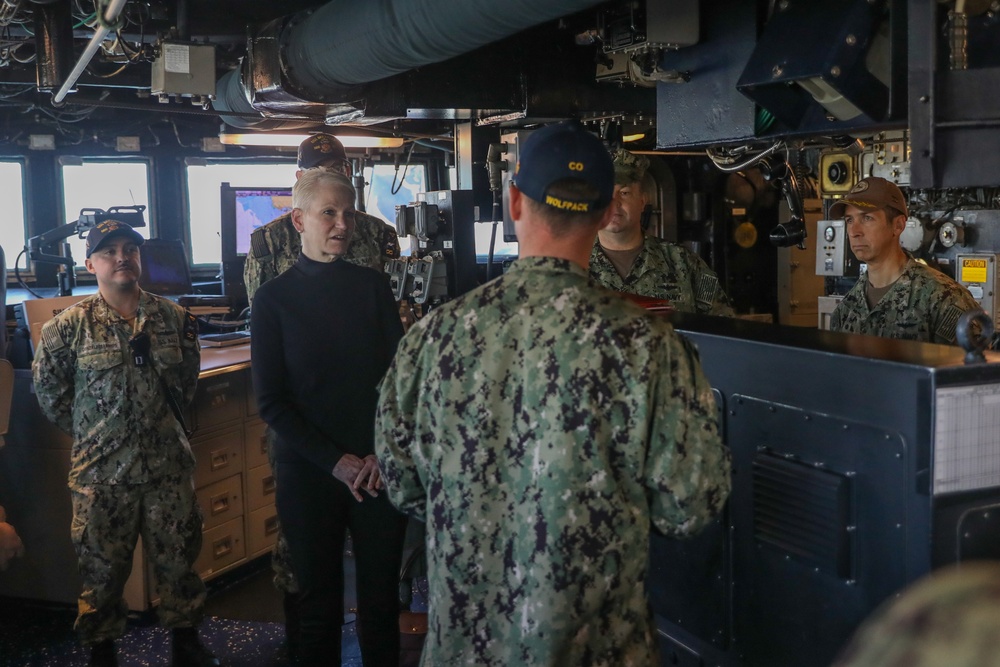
x=312, y=180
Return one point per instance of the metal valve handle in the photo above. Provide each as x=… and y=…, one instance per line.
x=974, y=339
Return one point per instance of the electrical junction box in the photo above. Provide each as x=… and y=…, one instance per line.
x=128, y=144
x=182, y=69
x=41, y=142
x=978, y=273
x=614, y=69
x=632, y=26
x=912, y=236
x=831, y=247
x=889, y=157
x=825, y=306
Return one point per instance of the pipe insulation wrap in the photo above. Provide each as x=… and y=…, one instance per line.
x=232, y=98
x=346, y=43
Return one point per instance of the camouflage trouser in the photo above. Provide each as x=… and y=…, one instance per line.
x=107, y=519
x=281, y=559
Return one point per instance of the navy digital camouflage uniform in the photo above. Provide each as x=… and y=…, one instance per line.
x=663, y=270
x=274, y=248
x=629, y=167
x=923, y=305
x=131, y=464
x=951, y=617
x=539, y=425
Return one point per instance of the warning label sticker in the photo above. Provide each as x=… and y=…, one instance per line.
x=973, y=270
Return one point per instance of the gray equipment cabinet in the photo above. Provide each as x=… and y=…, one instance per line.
x=859, y=465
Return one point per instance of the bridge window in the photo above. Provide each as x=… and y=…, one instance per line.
x=502, y=250
x=12, y=223
x=104, y=184
x=203, y=182
x=388, y=188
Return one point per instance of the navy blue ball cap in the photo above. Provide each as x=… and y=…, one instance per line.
x=107, y=229
x=565, y=151
x=319, y=150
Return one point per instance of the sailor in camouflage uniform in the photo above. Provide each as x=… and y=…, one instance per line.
x=951, y=617
x=539, y=425
x=116, y=371
x=275, y=248
x=897, y=297
x=626, y=259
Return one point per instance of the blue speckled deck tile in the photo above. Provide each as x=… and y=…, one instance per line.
x=48, y=642
x=350, y=649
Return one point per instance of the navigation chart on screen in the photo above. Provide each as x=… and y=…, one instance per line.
x=255, y=208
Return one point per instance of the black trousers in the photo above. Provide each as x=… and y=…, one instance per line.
x=316, y=511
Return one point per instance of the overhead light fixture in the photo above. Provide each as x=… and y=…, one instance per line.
x=275, y=139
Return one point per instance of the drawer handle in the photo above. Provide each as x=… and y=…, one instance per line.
x=271, y=525
x=220, y=459
x=219, y=503
x=267, y=485
x=223, y=547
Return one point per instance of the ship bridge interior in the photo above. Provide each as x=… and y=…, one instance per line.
x=756, y=117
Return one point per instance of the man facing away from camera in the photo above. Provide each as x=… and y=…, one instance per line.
x=540, y=425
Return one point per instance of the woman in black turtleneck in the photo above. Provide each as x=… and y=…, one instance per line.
x=324, y=333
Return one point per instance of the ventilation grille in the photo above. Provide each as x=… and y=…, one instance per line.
x=803, y=512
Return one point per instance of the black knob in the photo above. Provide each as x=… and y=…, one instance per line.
x=974, y=333
x=837, y=172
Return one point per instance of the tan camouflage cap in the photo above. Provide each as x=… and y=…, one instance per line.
x=871, y=193
x=629, y=167
x=951, y=617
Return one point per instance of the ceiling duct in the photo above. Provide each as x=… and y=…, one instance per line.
x=317, y=63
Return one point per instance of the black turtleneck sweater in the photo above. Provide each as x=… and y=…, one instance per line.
x=323, y=337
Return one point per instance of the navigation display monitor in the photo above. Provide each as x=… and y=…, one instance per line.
x=246, y=209
x=165, y=268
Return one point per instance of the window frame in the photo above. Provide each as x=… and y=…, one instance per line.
x=11, y=254
x=63, y=161
x=210, y=270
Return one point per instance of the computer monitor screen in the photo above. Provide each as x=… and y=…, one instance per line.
x=246, y=209
x=165, y=268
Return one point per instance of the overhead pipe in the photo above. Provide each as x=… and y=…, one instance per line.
x=53, y=44
x=231, y=97
x=110, y=17
x=183, y=28
x=326, y=54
